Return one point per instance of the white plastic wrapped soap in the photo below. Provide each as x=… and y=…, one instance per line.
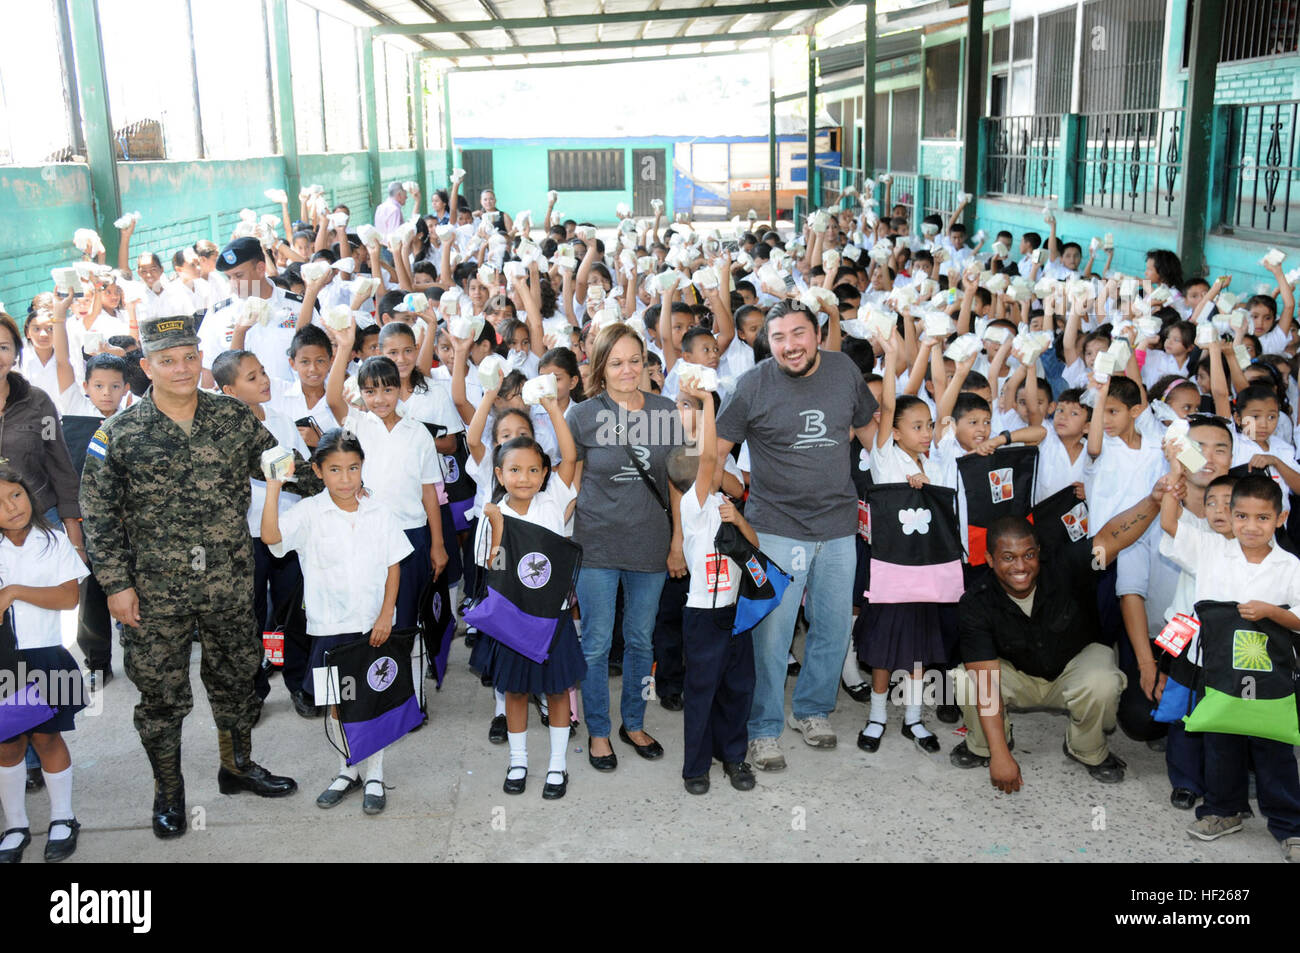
x=491, y=370
x=315, y=271
x=64, y=279
x=706, y=279
x=415, y=302
x=830, y=260
x=1273, y=256
x=963, y=349
x=460, y=327
x=667, y=280
x=538, y=387
x=337, y=316
x=91, y=342
x=937, y=324
x=1000, y=249
x=277, y=463
x=697, y=375
x=257, y=310
x=126, y=220
x=1205, y=333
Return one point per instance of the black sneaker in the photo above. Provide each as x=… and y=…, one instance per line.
x=741, y=775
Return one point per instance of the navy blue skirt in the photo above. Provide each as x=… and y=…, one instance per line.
x=512, y=672
x=62, y=686
x=414, y=573
x=320, y=644
x=898, y=635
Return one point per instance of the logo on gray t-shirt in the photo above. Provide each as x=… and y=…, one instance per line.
x=814, y=431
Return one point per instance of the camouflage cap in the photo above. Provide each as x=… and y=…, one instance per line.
x=156, y=334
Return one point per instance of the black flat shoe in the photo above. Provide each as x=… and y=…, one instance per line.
x=867, y=743
x=552, y=791
x=615, y=669
x=332, y=796
x=948, y=714
x=651, y=752
x=927, y=743
x=14, y=855
x=859, y=692
x=515, y=785
x=57, y=850
x=35, y=780
x=672, y=701
x=698, y=785
x=1182, y=799
x=304, y=705
x=603, y=762
x=741, y=774
x=792, y=669
x=471, y=638
x=1110, y=771
x=497, y=733
x=374, y=803
x=962, y=757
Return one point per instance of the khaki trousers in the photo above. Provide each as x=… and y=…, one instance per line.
x=1087, y=690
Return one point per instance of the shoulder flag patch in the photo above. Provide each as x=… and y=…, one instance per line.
x=98, y=447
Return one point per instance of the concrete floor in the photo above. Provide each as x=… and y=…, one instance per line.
x=446, y=802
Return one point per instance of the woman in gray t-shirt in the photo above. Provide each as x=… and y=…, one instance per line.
x=627, y=537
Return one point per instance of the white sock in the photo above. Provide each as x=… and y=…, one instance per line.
x=577, y=627
x=13, y=798
x=790, y=659
x=59, y=787
x=345, y=771
x=852, y=675
x=912, y=710
x=372, y=768
x=559, y=750
x=877, y=713
x=518, y=754
x=454, y=594
x=500, y=708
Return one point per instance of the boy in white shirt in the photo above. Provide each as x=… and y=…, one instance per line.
x=719, y=683
x=1254, y=572
x=241, y=375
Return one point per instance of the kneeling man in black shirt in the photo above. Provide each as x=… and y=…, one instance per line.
x=1029, y=640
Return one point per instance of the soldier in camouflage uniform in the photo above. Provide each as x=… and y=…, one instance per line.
x=164, y=495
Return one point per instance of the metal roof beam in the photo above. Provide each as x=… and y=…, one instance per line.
x=775, y=8
x=587, y=47
x=639, y=59
x=362, y=7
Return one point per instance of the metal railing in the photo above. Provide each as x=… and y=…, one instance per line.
x=940, y=197
x=1129, y=161
x=1021, y=156
x=1263, y=181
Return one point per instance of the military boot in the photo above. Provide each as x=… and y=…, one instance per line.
x=239, y=772
x=169, y=816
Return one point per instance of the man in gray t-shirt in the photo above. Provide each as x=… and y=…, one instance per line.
x=798, y=410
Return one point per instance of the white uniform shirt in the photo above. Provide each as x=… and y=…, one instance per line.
x=287, y=399
x=546, y=509
x=287, y=436
x=40, y=561
x=1223, y=574
x=715, y=579
x=345, y=559
x=398, y=464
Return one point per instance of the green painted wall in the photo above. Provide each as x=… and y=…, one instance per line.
x=1133, y=239
x=179, y=203
x=520, y=174
x=41, y=208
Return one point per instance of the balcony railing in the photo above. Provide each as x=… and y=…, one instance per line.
x=1129, y=162
x=1021, y=157
x=1263, y=182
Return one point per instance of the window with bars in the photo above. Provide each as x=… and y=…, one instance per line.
x=881, y=159
x=942, y=82
x=586, y=170
x=1022, y=39
x=1253, y=29
x=1001, y=45
x=1055, y=67
x=1123, y=46
x=907, y=105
